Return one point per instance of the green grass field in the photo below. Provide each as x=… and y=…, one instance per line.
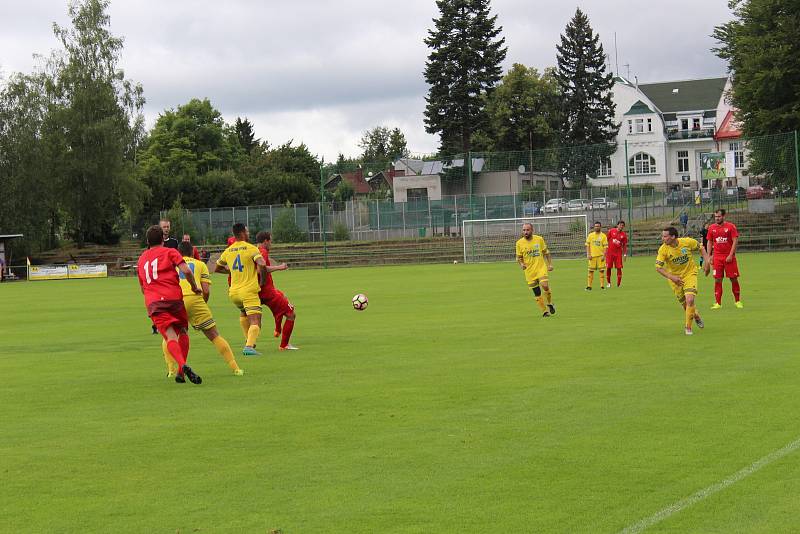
x=449, y=405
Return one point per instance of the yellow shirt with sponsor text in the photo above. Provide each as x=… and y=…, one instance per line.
x=240, y=259
x=200, y=272
x=532, y=252
x=597, y=243
x=679, y=260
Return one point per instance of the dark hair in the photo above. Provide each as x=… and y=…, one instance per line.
x=263, y=236
x=620, y=221
x=185, y=248
x=721, y=212
x=597, y=222
x=155, y=236
x=238, y=229
x=672, y=231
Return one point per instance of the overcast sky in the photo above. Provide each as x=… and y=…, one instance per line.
x=323, y=72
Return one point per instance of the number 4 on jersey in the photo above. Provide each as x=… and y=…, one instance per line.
x=237, y=263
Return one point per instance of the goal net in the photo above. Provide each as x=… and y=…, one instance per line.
x=488, y=240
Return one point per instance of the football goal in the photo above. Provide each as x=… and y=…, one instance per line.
x=488, y=240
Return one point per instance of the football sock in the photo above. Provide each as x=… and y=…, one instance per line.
x=278, y=320
x=608, y=275
x=183, y=341
x=735, y=288
x=689, y=315
x=287, y=332
x=245, y=324
x=177, y=354
x=590, y=279
x=224, y=349
x=619, y=277
x=718, y=290
x=252, y=335
x=548, y=296
x=540, y=302
x=171, y=366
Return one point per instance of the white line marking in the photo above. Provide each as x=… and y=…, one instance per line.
x=711, y=490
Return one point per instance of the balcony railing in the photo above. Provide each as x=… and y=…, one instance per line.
x=700, y=133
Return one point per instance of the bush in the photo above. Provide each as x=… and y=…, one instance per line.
x=285, y=230
x=340, y=232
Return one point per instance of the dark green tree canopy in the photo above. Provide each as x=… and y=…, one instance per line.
x=463, y=66
x=380, y=144
x=246, y=135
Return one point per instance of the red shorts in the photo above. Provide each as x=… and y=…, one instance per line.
x=277, y=302
x=731, y=270
x=168, y=313
x=614, y=260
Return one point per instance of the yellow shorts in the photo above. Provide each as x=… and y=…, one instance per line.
x=597, y=262
x=199, y=313
x=248, y=303
x=689, y=287
x=535, y=276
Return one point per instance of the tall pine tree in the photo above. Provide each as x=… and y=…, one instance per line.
x=586, y=105
x=463, y=66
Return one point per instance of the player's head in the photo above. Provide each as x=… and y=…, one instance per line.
x=240, y=232
x=597, y=227
x=155, y=236
x=264, y=239
x=164, y=224
x=669, y=235
x=186, y=237
x=620, y=225
x=527, y=230
x=231, y=240
x=719, y=216
x=185, y=248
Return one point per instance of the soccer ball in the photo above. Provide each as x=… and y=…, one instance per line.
x=360, y=302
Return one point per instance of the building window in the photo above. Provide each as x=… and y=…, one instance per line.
x=649, y=125
x=696, y=123
x=642, y=163
x=605, y=168
x=630, y=126
x=684, y=124
x=639, y=126
x=417, y=193
x=738, y=154
x=683, y=161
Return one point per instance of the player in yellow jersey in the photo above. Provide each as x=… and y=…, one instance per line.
x=675, y=262
x=248, y=272
x=596, y=245
x=534, y=258
x=198, y=311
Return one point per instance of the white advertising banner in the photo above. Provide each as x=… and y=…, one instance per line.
x=47, y=272
x=88, y=271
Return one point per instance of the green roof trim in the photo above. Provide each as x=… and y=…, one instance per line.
x=691, y=95
x=639, y=108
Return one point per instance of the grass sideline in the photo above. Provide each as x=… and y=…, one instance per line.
x=449, y=405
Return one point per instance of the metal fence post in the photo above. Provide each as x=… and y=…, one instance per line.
x=378, y=213
x=630, y=200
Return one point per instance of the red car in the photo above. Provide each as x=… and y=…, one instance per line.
x=758, y=191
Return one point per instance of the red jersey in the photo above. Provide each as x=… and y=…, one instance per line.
x=269, y=287
x=617, y=242
x=721, y=237
x=157, y=275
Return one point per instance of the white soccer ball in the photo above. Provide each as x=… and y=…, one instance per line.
x=360, y=302
x=455, y=262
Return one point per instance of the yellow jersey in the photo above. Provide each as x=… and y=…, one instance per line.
x=597, y=243
x=240, y=259
x=201, y=275
x=532, y=252
x=679, y=260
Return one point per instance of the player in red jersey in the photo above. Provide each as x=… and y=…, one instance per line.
x=722, y=239
x=617, y=249
x=163, y=298
x=273, y=298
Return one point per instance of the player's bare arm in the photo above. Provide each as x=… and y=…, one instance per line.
x=674, y=278
x=706, y=261
x=734, y=242
x=187, y=272
x=221, y=269
x=272, y=268
x=206, y=290
x=549, y=259
x=261, y=266
x=521, y=262
x=588, y=253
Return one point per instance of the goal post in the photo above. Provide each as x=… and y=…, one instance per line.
x=490, y=240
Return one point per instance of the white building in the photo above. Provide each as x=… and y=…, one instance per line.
x=665, y=128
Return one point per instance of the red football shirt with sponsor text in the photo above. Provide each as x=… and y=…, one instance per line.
x=157, y=274
x=721, y=237
x=268, y=288
x=617, y=242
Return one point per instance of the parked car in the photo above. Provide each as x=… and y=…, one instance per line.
x=554, y=205
x=530, y=208
x=603, y=203
x=758, y=191
x=578, y=204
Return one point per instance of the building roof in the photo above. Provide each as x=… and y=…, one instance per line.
x=639, y=108
x=435, y=167
x=685, y=95
x=729, y=129
x=10, y=236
